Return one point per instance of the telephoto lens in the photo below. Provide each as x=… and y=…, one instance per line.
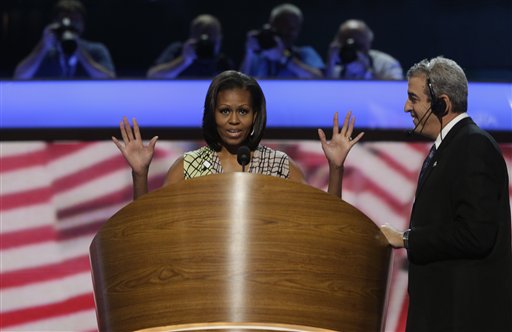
x=67, y=35
x=205, y=47
x=348, y=52
x=266, y=38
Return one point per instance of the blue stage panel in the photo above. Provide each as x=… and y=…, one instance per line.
x=179, y=103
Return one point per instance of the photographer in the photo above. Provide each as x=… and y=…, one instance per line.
x=271, y=51
x=62, y=53
x=199, y=56
x=350, y=55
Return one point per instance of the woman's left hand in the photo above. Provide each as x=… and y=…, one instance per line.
x=337, y=149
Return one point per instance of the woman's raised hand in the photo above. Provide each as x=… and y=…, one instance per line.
x=133, y=149
x=337, y=149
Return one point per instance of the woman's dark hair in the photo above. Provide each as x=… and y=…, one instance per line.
x=229, y=80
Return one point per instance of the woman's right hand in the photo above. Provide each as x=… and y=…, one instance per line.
x=133, y=149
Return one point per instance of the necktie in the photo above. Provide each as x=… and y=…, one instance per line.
x=427, y=162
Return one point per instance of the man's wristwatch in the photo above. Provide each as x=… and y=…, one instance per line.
x=405, y=238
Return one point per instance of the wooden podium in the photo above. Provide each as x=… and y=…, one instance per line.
x=239, y=252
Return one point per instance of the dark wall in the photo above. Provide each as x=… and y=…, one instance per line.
x=477, y=34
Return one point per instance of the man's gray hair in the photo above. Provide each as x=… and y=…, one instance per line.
x=446, y=77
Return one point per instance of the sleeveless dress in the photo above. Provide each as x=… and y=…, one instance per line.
x=266, y=161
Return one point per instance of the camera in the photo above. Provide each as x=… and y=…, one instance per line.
x=348, y=52
x=67, y=35
x=266, y=38
x=205, y=47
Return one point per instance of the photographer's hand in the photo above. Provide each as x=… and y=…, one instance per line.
x=359, y=69
x=27, y=68
x=49, y=39
x=189, y=51
x=251, y=43
x=175, y=66
x=333, y=58
x=93, y=68
x=251, y=47
x=276, y=53
x=290, y=61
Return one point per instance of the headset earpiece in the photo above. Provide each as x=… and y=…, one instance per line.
x=437, y=105
x=440, y=107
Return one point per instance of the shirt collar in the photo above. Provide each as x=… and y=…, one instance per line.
x=449, y=127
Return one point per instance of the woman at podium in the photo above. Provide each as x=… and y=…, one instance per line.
x=234, y=121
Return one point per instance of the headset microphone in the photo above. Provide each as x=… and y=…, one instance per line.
x=428, y=112
x=437, y=107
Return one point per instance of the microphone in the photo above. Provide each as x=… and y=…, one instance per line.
x=429, y=113
x=243, y=156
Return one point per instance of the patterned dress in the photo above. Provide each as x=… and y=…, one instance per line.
x=266, y=161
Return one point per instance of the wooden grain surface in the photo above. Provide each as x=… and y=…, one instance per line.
x=240, y=248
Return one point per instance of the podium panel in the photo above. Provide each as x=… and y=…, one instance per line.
x=237, y=252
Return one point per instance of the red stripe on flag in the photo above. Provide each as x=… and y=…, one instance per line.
x=422, y=148
x=396, y=166
x=42, y=234
x=71, y=305
x=26, y=198
x=25, y=160
x=356, y=181
x=44, y=273
x=60, y=150
x=90, y=228
x=26, y=237
x=116, y=197
x=402, y=318
x=90, y=173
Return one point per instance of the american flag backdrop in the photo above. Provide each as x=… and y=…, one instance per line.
x=56, y=195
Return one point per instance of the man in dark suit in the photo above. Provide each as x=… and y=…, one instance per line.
x=459, y=241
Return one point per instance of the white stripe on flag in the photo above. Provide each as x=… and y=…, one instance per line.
x=29, y=178
x=88, y=156
x=22, y=218
x=377, y=210
x=41, y=254
x=12, y=149
x=395, y=184
x=46, y=292
x=408, y=157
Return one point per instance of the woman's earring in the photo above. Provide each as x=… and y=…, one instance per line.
x=252, y=132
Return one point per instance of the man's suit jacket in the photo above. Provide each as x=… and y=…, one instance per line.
x=459, y=249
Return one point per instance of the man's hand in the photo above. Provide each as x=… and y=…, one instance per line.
x=394, y=237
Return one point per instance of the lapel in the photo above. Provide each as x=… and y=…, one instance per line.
x=440, y=153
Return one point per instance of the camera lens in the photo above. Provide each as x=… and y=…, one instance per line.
x=68, y=42
x=266, y=38
x=67, y=35
x=205, y=47
x=348, y=52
